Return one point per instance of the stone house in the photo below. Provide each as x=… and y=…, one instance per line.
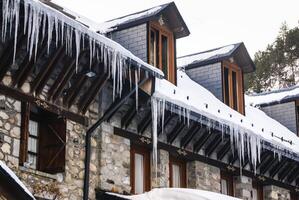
x=78, y=112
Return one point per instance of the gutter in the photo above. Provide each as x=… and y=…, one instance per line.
x=89, y=132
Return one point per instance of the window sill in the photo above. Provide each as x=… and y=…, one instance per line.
x=56, y=177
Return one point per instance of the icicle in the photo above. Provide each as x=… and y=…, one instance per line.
x=78, y=38
x=25, y=16
x=155, y=129
x=16, y=13
x=50, y=32
x=136, y=92
x=114, y=73
x=163, y=114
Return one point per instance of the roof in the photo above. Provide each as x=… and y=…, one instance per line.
x=201, y=103
x=175, y=194
x=168, y=10
x=236, y=51
x=13, y=183
x=279, y=96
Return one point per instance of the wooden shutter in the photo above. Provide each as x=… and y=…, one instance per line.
x=25, y=115
x=52, y=144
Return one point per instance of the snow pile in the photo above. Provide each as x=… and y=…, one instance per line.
x=178, y=194
x=189, y=59
x=111, y=25
x=44, y=22
x=273, y=96
x=247, y=132
x=12, y=175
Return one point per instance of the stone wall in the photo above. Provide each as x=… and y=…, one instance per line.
x=243, y=187
x=67, y=185
x=285, y=113
x=161, y=178
x=272, y=192
x=203, y=176
x=209, y=76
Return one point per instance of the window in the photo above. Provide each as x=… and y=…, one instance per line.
x=177, y=173
x=227, y=184
x=161, y=50
x=140, y=170
x=233, y=87
x=297, y=116
x=294, y=196
x=43, y=139
x=257, y=191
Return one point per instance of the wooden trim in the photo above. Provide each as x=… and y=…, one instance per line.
x=171, y=71
x=259, y=187
x=146, y=164
x=182, y=165
x=25, y=115
x=240, y=86
x=230, y=182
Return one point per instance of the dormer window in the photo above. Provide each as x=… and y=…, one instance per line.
x=161, y=49
x=233, y=86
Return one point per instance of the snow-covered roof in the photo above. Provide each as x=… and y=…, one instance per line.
x=236, y=51
x=64, y=26
x=168, y=11
x=13, y=176
x=273, y=97
x=256, y=126
x=178, y=194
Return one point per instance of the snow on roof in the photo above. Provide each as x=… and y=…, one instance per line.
x=13, y=176
x=256, y=124
x=206, y=55
x=276, y=96
x=111, y=25
x=178, y=194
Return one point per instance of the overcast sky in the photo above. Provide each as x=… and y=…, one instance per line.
x=212, y=23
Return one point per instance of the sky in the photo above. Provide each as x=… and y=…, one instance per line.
x=212, y=23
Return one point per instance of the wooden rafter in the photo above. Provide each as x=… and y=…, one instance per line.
x=185, y=141
x=168, y=118
x=74, y=90
x=213, y=145
x=233, y=157
x=276, y=169
x=286, y=171
x=46, y=70
x=128, y=117
x=293, y=176
x=224, y=150
x=201, y=141
x=268, y=166
x=144, y=123
x=175, y=132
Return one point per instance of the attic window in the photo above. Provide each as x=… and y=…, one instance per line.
x=233, y=86
x=161, y=51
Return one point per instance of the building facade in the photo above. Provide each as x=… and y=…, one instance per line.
x=73, y=125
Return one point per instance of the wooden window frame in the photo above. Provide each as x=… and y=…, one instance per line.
x=42, y=117
x=240, y=86
x=146, y=163
x=163, y=30
x=183, y=171
x=230, y=182
x=259, y=187
x=297, y=116
x=294, y=196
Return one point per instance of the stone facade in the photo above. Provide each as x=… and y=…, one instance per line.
x=203, y=176
x=209, y=76
x=161, y=178
x=243, y=187
x=285, y=113
x=272, y=192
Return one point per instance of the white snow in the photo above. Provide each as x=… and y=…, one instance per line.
x=271, y=97
x=13, y=175
x=247, y=132
x=178, y=194
x=111, y=25
x=187, y=60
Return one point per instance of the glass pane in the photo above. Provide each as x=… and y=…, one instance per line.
x=254, y=194
x=32, y=161
x=139, y=174
x=165, y=55
x=234, y=87
x=226, y=86
x=176, y=176
x=32, y=145
x=152, y=48
x=33, y=128
x=224, y=189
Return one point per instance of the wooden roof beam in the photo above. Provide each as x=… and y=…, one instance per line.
x=145, y=122
x=286, y=171
x=190, y=135
x=224, y=150
x=213, y=145
x=201, y=141
x=128, y=117
x=168, y=117
x=293, y=176
x=268, y=166
x=278, y=167
x=175, y=132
